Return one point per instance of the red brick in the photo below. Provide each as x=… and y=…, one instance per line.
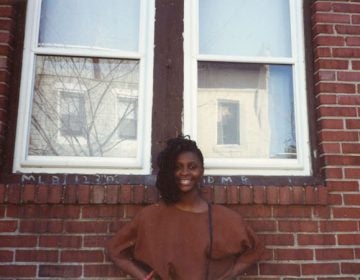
x=232, y=195
x=259, y=195
x=293, y=254
x=343, y=186
x=347, y=29
x=28, y=194
x=331, y=64
x=322, y=52
x=70, y=194
x=346, y=212
x=111, y=195
x=278, y=239
x=320, y=269
x=324, y=40
x=138, y=194
x=8, y=226
x=65, y=271
x=292, y=212
x=331, y=18
x=335, y=199
x=331, y=148
x=337, y=112
x=83, y=194
x=342, y=160
x=346, y=8
x=326, y=99
x=55, y=194
x=352, y=41
x=352, y=199
x=42, y=194
x=98, y=194
x=220, y=194
x=331, y=124
x=82, y=256
x=254, y=211
x=86, y=227
x=131, y=210
x=347, y=52
x=14, y=192
x=350, y=268
x=353, y=123
x=336, y=88
x=60, y=241
x=272, y=194
x=348, y=100
x=323, y=75
x=310, y=195
x=355, y=19
x=350, y=148
x=102, y=270
x=96, y=241
x=17, y=241
x=36, y=256
x=338, y=226
x=39, y=226
x=297, y=226
x=263, y=226
x=336, y=135
x=280, y=269
x=246, y=195
x=2, y=212
x=334, y=254
x=316, y=239
x=322, y=212
x=322, y=6
x=323, y=29
x=96, y=212
x=352, y=173
x=285, y=195
x=348, y=239
x=6, y=256
x=333, y=172
x=2, y=192
x=298, y=195
x=125, y=194
x=355, y=65
x=17, y=270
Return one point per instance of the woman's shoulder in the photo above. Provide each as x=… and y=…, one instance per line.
x=153, y=209
x=225, y=214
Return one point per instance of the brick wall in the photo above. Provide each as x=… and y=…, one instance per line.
x=311, y=232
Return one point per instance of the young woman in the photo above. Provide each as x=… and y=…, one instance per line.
x=183, y=237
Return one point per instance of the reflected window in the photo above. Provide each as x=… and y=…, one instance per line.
x=228, y=122
x=127, y=117
x=72, y=114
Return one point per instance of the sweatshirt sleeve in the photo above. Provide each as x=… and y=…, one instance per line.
x=232, y=236
x=121, y=245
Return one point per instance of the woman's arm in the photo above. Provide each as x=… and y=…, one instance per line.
x=128, y=266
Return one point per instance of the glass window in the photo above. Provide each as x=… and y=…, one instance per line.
x=249, y=113
x=80, y=56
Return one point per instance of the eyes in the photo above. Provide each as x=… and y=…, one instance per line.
x=190, y=166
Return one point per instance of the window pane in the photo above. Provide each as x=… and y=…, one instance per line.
x=228, y=122
x=75, y=106
x=245, y=27
x=127, y=117
x=90, y=24
x=257, y=100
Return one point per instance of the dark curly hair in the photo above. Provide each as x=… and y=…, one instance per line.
x=166, y=161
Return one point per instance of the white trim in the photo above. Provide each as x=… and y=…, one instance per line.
x=86, y=165
x=301, y=166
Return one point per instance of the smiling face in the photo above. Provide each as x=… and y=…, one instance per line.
x=188, y=171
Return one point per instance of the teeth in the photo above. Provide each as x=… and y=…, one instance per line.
x=185, y=182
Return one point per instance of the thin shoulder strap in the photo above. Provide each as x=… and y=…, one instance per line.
x=210, y=224
x=210, y=229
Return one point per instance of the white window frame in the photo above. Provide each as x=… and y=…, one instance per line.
x=86, y=165
x=301, y=166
